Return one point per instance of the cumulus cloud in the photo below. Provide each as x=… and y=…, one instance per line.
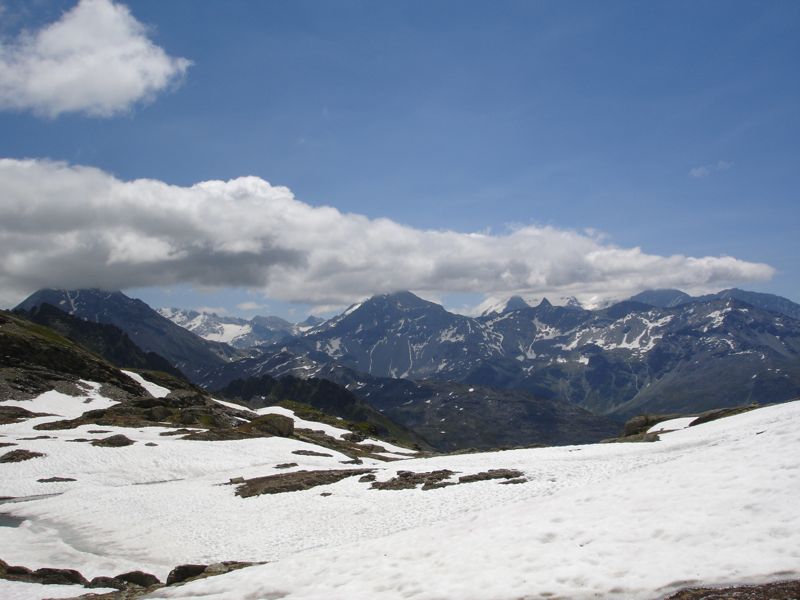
x=96, y=59
x=73, y=226
x=706, y=170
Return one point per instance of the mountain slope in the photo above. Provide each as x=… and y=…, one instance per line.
x=106, y=340
x=149, y=330
x=35, y=359
x=628, y=357
x=322, y=395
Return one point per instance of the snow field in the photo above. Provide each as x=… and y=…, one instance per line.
x=711, y=504
x=721, y=509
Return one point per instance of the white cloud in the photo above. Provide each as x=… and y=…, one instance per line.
x=73, y=226
x=97, y=59
x=706, y=170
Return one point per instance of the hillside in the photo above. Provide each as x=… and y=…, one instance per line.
x=150, y=331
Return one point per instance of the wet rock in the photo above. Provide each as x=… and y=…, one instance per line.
x=19, y=456
x=115, y=441
x=182, y=573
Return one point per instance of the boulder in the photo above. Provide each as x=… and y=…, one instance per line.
x=139, y=578
x=50, y=576
x=183, y=572
x=115, y=441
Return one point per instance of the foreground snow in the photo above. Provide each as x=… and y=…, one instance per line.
x=710, y=504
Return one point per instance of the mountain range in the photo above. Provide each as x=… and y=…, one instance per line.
x=235, y=331
x=514, y=376
x=626, y=359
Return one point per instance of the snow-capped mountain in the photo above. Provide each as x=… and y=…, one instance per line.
x=628, y=358
x=237, y=332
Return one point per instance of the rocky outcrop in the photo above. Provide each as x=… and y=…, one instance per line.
x=293, y=482
x=19, y=456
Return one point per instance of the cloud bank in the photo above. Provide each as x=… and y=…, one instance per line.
x=73, y=226
x=96, y=59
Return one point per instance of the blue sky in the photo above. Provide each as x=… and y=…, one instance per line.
x=672, y=127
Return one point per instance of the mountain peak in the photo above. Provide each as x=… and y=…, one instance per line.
x=545, y=303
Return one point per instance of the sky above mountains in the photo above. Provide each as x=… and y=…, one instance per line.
x=283, y=157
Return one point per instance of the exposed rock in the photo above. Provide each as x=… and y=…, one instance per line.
x=151, y=444
x=285, y=465
x=55, y=479
x=637, y=437
x=783, y=590
x=295, y=481
x=367, y=478
x=6, y=444
x=279, y=425
x=50, y=576
x=181, y=431
x=107, y=582
x=19, y=456
x=310, y=453
x=641, y=423
x=37, y=437
x=183, y=572
x=99, y=431
x=513, y=481
x=115, y=441
x=491, y=474
x=407, y=480
x=139, y=578
x=14, y=414
x=326, y=494
x=713, y=415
